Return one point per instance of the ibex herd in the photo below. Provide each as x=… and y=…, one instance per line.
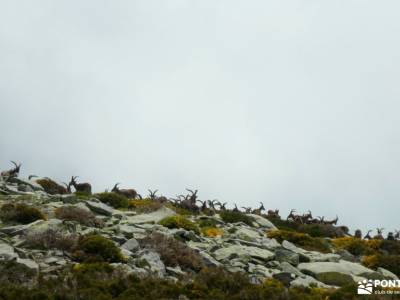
x=190, y=200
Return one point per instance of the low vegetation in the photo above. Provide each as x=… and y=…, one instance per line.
x=179, y=221
x=51, y=239
x=302, y=240
x=20, y=213
x=96, y=248
x=146, y=205
x=101, y=281
x=212, y=231
x=389, y=262
x=173, y=252
x=113, y=199
x=80, y=215
x=235, y=217
x=357, y=246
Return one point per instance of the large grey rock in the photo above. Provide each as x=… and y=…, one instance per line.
x=263, y=222
x=287, y=256
x=313, y=256
x=153, y=217
x=131, y=245
x=32, y=184
x=30, y=264
x=243, y=252
x=100, y=208
x=7, y=252
x=261, y=270
x=286, y=267
x=247, y=234
x=306, y=281
x=342, y=266
x=131, y=231
x=154, y=261
x=387, y=273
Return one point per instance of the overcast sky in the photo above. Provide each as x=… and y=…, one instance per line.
x=293, y=103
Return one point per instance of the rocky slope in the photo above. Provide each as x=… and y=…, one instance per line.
x=144, y=232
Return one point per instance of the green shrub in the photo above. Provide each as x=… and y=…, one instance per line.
x=20, y=213
x=113, y=199
x=83, y=195
x=173, y=252
x=235, y=217
x=179, y=221
x=334, y=278
x=51, y=187
x=302, y=240
x=96, y=248
x=80, y=215
x=209, y=222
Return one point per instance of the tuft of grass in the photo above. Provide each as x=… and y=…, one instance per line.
x=235, y=217
x=302, y=240
x=51, y=239
x=179, y=221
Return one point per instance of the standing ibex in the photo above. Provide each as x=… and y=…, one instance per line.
x=332, y=222
x=129, y=193
x=80, y=187
x=190, y=200
x=379, y=235
x=397, y=235
x=236, y=208
x=390, y=236
x=368, y=236
x=259, y=210
x=12, y=173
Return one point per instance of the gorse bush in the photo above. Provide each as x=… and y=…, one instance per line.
x=80, y=215
x=235, y=217
x=301, y=239
x=20, y=213
x=208, y=222
x=173, y=252
x=357, y=246
x=113, y=199
x=179, y=221
x=96, y=248
x=212, y=231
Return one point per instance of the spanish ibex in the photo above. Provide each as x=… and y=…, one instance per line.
x=129, y=193
x=12, y=173
x=80, y=187
x=259, y=210
x=273, y=213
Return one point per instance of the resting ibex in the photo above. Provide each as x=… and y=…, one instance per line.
x=80, y=187
x=12, y=173
x=129, y=193
x=247, y=209
x=259, y=210
x=221, y=205
x=397, y=235
x=332, y=222
x=295, y=218
x=236, y=208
